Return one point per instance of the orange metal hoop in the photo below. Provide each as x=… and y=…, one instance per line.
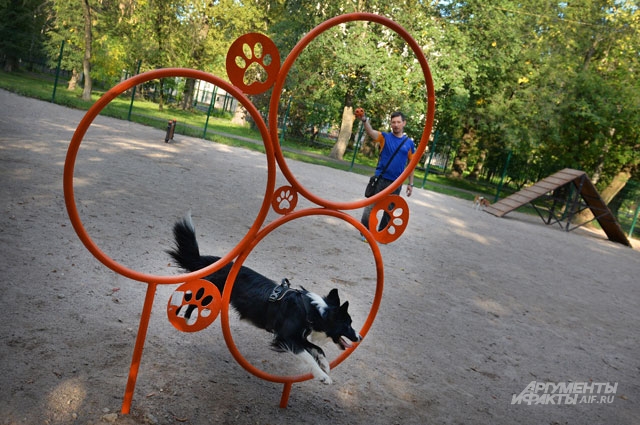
x=226, y=296
x=277, y=92
x=81, y=130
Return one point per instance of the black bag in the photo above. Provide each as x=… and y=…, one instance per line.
x=371, y=187
x=373, y=181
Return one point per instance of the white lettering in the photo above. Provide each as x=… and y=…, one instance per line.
x=569, y=400
x=610, y=390
x=565, y=393
x=565, y=388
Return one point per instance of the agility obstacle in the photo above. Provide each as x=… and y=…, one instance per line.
x=559, y=198
x=193, y=283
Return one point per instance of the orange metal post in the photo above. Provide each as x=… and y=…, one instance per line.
x=137, y=351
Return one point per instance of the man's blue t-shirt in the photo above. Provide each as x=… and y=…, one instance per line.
x=388, y=144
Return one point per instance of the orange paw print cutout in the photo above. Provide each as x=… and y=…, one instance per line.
x=194, y=305
x=253, y=63
x=284, y=200
x=398, y=211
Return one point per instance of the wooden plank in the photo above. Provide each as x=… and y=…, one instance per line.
x=555, y=181
x=520, y=198
x=571, y=172
x=537, y=190
x=511, y=203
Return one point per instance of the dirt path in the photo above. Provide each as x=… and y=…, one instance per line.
x=475, y=308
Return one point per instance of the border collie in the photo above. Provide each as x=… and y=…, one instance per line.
x=292, y=315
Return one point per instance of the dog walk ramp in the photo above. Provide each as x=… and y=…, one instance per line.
x=562, y=196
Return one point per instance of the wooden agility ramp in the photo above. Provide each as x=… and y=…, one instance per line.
x=561, y=197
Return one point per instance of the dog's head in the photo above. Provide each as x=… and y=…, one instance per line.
x=338, y=322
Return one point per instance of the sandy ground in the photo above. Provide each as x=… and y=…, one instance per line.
x=475, y=308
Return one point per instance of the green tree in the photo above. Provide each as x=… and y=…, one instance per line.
x=598, y=122
x=22, y=25
x=496, y=39
x=553, y=83
x=208, y=29
x=69, y=27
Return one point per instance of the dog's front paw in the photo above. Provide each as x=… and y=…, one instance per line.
x=326, y=379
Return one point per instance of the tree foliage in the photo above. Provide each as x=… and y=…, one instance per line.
x=548, y=84
x=23, y=24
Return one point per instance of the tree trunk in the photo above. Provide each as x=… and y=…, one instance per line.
x=86, y=61
x=615, y=204
x=477, y=168
x=11, y=64
x=346, y=128
x=240, y=115
x=617, y=184
x=595, y=177
x=344, y=136
x=460, y=161
x=187, y=94
x=161, y=99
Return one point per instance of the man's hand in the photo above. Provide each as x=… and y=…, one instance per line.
x=409, y=189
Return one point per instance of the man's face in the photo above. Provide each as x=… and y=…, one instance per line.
x=397, y=125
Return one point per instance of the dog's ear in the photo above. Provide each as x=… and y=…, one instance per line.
x=344, y=307
x=333, y=298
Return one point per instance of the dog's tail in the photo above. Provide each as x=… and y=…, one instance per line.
x=186, y=252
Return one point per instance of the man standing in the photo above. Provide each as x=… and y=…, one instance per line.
x=396, y=150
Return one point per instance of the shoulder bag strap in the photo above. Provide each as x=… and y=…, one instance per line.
x=404, y=139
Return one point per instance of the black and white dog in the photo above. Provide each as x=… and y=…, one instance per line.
x=292, y=315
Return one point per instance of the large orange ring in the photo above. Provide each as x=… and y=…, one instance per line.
x=226, y=294
x=277, y=91
x=81, y=130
